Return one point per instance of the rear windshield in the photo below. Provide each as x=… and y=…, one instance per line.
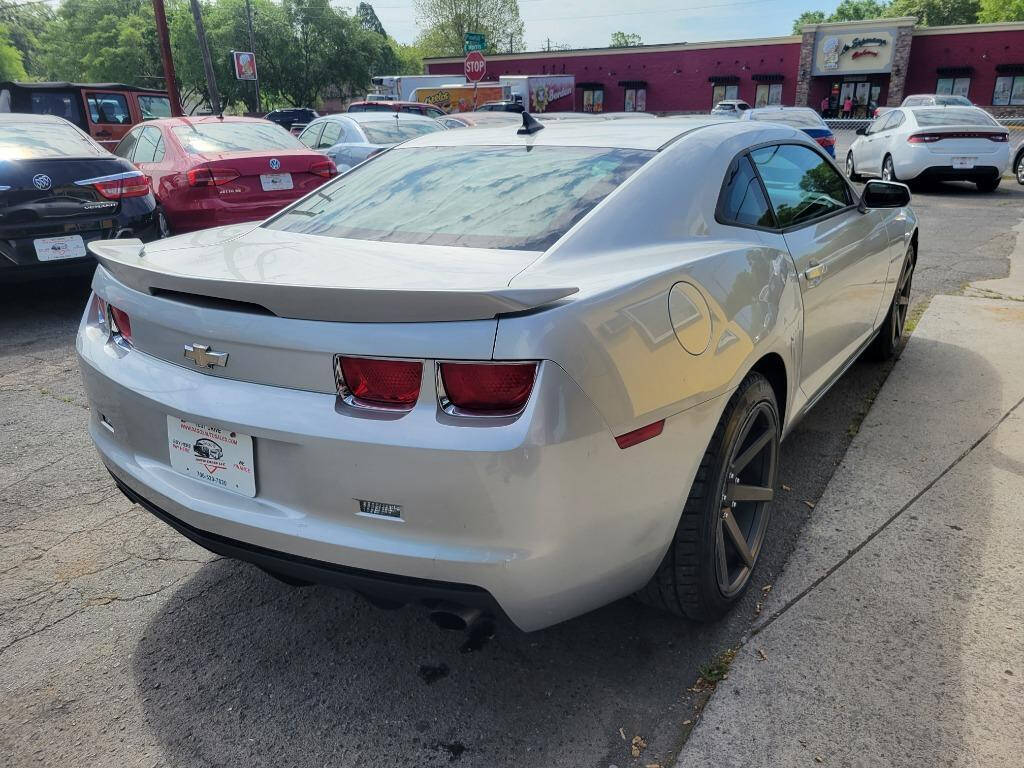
x=797, y=118
x=518, y=198
x=371, y=108
x=154, y=107
x=20, y=141
x=231, y=136
x=397, y=131
x=930, y=118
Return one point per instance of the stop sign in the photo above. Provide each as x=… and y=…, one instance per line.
x=475, y=66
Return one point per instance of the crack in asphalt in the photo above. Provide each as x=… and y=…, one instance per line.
x=874, y=534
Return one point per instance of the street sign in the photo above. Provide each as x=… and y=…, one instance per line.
x=473, y=41
x=245, y=65
x=475, y=66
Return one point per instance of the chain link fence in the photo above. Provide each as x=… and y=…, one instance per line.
x=845, y=130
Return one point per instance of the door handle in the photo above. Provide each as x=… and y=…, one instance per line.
x=815, y=271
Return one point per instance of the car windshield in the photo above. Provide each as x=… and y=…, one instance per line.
x=931, y=118
x=371, y=108
x=397, y=131
x=234, y=136
x=520, y=198
x=799, y=118
x=22, y=141
x=960, y=100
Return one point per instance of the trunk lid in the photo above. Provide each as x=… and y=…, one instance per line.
x=963, y=140
x=311, y=277
x=259, y=179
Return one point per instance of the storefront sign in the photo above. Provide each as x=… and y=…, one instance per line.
x=245, y=65
x=853, y=52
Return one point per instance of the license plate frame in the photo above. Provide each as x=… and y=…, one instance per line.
x=276, y=182
x=60, y=248
x=964, y=163
x=220, y=458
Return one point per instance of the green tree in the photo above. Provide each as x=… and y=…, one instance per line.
x=10, y=58
x=409, y=58
x=446, y=22
x=25, y=24
x=934, y=13
x=808, y=17
x=625, y=40
x=1001, y=10
x=368, y=19
x=856, y=10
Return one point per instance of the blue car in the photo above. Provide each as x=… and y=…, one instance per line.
x=804, y=118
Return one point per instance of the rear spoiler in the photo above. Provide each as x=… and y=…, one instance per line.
x=125, y=260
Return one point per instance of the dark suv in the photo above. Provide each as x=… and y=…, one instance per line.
x=286, y=118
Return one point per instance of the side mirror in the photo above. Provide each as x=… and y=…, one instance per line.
x=862, y=131
x=884, y=194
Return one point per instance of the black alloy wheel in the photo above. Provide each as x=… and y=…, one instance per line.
x=888, y=172
x=886, y=345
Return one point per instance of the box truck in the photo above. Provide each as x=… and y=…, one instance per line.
x=461, y=98
x=401, y=87
x=542, y=93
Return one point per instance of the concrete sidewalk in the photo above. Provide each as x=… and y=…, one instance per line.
x=895, y=636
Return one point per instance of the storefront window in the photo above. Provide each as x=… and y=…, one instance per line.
x=953, y=86
x=1009, y=90
x=723, y=92
x=593, y=100
x=768, y=95
x=636, y=100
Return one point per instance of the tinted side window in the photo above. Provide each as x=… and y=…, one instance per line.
x=332, y=135
x=110, y=108
x=897, y=120
x=147, y=146
x=801, y=184
x=742, y=199
x=127, y=144
x=311, y=135
x=876, y=126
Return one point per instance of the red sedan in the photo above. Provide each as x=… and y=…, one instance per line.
x=209, y=171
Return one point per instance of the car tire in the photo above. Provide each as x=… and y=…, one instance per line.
x=988, y=185
x=163, y=228
x=851, y=172
x=888, y=344
x=1018, y=168
x=888, y=171
x=703, y=573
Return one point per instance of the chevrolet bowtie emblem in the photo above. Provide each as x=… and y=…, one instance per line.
x=201, y=355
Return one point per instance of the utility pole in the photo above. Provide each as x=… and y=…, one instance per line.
x=204, y=49
x=165, y=54
x=252, y=47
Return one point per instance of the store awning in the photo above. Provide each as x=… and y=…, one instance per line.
x=773, y=77
x=633, y=83
x=591, y=86
x=723, y=79
x=1010, y=69
x=954, y=71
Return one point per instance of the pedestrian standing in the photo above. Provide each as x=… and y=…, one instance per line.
x=848, y=107
x=824, y=107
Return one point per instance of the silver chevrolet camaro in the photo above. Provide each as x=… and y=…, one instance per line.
x=496, y=371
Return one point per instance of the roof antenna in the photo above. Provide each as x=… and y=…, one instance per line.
x=530, y=125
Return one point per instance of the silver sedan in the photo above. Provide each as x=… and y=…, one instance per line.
x=351, y=138
x=528, y=371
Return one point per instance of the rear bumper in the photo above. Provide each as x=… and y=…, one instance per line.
x=543, y=513
x=944, y=173
x=919, y=163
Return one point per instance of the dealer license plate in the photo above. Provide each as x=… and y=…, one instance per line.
x=275, y=181
x=964, y=162
x=57, y=248
x=213, y=455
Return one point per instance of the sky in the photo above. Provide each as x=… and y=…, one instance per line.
x=590, y=23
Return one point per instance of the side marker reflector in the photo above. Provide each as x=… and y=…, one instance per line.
x=639, y=435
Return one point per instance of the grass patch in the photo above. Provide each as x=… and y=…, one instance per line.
x=713, y=673
x=916, y=313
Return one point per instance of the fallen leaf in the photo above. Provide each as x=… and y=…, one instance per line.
x=638, y=745
x=766, y=588
x=786, y=488
x=818, y=759
x=810, y=504
x=757, y=609
x=687, y=722
x=622, y=733
x=762, y=655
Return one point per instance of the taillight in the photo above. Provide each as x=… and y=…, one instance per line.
x=999, y=138
x=120, y=323
x=210, y=177
x=924, y=138
x=325, y=168
x=487, y=387
x=121, y=186
x=826, y=141
x=388, y=383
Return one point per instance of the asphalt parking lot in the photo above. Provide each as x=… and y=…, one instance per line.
x=123, y=644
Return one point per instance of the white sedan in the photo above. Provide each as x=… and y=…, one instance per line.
x=932, y=143
x=501, y=371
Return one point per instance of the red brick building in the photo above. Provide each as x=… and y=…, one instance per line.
x=872, y=62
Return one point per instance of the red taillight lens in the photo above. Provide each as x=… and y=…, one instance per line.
x=131, y=186
x=394, y=383
x=210, y=177
x=327, y=168
x=929, y=138
x=639, y=435
x=826, y=141
x=924, y=138
x=121, y=323
x=487, y=387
